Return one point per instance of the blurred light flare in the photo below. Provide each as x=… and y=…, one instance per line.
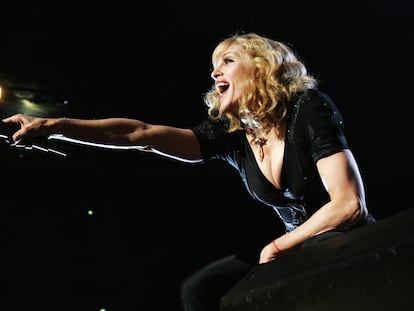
x=30, y=100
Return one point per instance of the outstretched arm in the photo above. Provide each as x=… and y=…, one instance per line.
x=179, y=143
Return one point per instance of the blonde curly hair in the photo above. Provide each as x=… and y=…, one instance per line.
x=277, y=76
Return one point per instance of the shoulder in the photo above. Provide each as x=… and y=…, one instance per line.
x=215, y=140
x=313, y=118
x=210, y=129
x=312, y=101
x=313, y=106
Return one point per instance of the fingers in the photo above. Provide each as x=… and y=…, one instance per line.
x=18, y=134
x=267, y=254
x=7, y=120
x=17, y=119
x=13, y=119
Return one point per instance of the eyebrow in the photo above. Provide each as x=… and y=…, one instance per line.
x=228, y=53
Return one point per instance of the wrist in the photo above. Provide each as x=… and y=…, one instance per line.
x=56, y=125
x=276, y=247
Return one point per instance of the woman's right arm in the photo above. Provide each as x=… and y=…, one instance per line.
x=170, y=141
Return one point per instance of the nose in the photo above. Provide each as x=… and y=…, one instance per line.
x=216, y=73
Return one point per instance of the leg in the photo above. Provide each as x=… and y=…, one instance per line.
x=202, y=290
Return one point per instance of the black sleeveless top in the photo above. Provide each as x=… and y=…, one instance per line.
x=314, y=131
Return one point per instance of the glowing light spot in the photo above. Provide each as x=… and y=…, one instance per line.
x=90, y=213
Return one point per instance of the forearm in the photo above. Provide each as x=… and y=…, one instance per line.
x=106, y=131
x=331, y=216
x=170, y=141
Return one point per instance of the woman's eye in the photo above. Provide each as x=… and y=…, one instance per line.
x=228, y=60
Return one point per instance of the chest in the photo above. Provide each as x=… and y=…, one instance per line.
x=269, y=159
x=278, y=178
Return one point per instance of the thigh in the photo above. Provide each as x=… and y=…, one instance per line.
x=205, y=287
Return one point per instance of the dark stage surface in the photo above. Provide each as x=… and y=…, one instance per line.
x=127, y=210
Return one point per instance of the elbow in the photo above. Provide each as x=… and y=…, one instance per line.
x=354, y=210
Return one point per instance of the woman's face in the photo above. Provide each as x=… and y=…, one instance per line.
x=231, y=71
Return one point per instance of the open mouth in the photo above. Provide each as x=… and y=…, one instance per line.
x=222, y=87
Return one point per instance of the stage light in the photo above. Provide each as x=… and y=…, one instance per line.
x=31, y=99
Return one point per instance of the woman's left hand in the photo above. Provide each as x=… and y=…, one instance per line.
x=268, y=254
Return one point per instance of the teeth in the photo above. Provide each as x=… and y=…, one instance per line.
x=222, y=87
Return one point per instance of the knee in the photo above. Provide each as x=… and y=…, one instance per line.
x=188, y=290
x=195, y=296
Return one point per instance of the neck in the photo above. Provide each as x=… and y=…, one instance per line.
x=261, y=139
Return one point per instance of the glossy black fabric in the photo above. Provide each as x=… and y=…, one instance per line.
x=314, y=130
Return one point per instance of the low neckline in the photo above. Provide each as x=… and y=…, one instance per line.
x=278, y=186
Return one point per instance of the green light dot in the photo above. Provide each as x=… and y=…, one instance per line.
x=102, y=309
x=90, y=213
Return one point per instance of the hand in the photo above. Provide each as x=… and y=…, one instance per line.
x=29, y=126
x=268, y=254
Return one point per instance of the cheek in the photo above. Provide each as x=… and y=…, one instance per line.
x=243, y=83
x=243, y=74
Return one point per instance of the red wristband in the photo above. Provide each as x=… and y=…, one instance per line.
x=276, y=247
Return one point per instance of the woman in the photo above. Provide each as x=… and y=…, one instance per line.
x=269, y=121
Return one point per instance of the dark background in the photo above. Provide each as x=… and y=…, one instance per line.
x=156, y=220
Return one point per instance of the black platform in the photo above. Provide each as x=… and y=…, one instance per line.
x=369, y=268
